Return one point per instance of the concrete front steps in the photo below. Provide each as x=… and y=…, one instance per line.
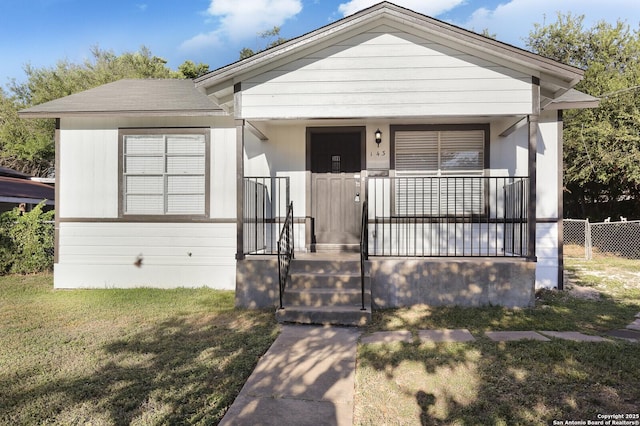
x=325, y=289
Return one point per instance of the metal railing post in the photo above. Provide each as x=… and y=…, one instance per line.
x=364, y=248
x=285, y=252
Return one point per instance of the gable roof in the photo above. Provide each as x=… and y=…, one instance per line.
x=555, y=78
x=130, y=97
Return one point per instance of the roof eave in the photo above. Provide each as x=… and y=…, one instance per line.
x=556, y=106
x=165, y=113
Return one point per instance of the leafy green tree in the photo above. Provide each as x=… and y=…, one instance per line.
x=246, y=52
x=190, y=69
x=602, y=145
x=28, y=145
x=46, y=84
x=25, y=145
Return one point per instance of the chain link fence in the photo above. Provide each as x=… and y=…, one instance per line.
x=584, y=239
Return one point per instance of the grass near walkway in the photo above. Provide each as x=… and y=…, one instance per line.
x=513, y=383
x=123, y=356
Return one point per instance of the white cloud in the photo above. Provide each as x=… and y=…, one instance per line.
x=202, y=41
x=513, y=20
x=429, y=7
x=236, y=22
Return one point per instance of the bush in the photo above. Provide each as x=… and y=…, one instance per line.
x=26, y=241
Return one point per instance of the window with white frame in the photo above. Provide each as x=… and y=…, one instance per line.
x=438, y=172
x=164, y=172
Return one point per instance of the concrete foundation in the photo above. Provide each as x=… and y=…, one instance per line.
x=399, y=282
x=257, y=282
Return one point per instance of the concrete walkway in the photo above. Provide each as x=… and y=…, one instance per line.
x=307, y=377
x=463, y=335
x=631, y=332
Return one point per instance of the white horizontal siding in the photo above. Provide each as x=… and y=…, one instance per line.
x=363, y=99
x=382, y=86
x=386, y=74
x=69, y=276
x=104, y=254
x=450, y=75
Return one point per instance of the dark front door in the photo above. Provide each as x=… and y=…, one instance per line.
x=335, y=161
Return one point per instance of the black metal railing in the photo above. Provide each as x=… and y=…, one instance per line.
x=450, y=216
x=285, y=251
x=516, y=195
x=265, y=206
x=364, y=247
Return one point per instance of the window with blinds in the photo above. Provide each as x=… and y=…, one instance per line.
x=439, y=173
x=164, y=174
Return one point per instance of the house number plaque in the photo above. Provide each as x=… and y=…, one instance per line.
x=378, y=153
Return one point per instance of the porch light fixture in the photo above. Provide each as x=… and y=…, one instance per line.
x=378, y=135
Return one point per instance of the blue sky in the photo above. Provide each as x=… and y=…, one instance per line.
x=41, y=32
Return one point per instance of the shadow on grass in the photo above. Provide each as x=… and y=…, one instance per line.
x=180, y=370
x=485, y=382
x=554, y=310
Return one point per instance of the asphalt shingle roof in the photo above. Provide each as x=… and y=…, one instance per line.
x=131, y=97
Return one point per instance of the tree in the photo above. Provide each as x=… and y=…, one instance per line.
x=66, y=78
x=28, y=145
x=189, y=69
x=602, y=145
x=246, y=52
x=272, y=38
x=25, y=145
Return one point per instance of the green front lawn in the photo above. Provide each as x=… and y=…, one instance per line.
x=515, y=383
x=111, y=356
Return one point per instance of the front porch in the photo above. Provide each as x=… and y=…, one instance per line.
x=455, y=240
x=417, y=216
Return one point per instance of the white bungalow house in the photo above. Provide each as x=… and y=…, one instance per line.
x=434, y=151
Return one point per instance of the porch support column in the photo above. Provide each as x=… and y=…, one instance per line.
x=560, y=202
x=532, y=121
x=240, y=188
x=56, y=229
x=240, y=126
